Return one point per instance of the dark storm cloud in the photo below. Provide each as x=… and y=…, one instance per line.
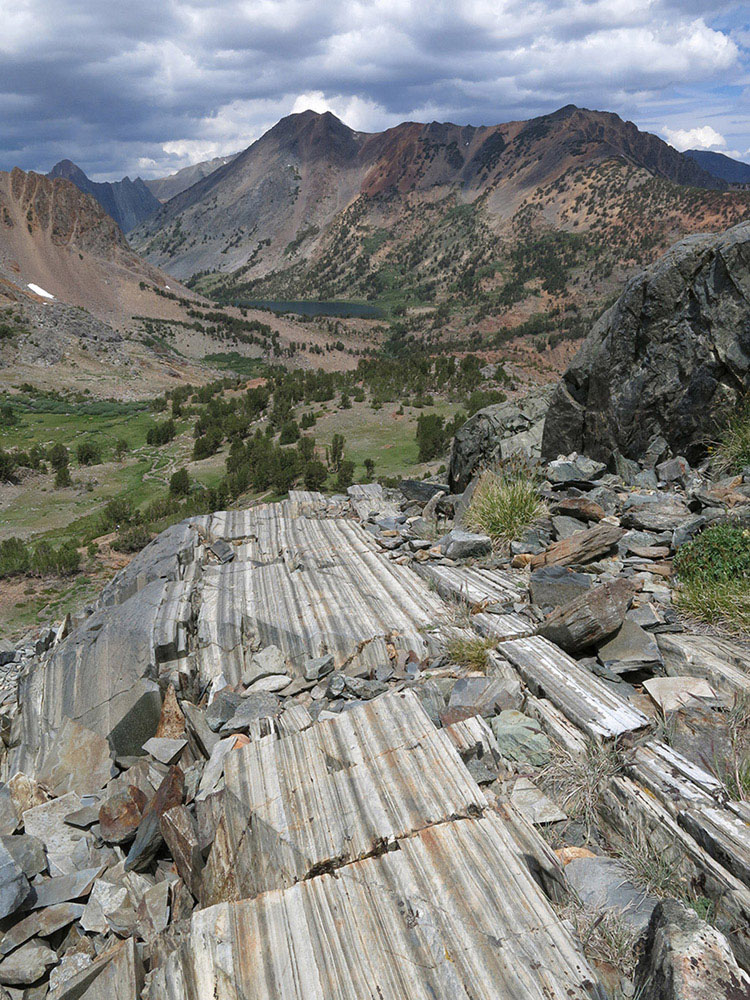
x=144, y=87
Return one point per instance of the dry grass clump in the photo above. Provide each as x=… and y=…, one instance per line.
x=605, y=937
x=471, y=652
x=579, y=780
x=504, y=504
x=656, y=871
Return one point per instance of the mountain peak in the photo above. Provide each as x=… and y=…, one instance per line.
x=69, y=170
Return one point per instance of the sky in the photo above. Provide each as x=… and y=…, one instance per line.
x=144, y=87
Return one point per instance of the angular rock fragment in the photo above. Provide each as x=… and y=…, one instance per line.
x=27, y=852
x=602, y=884
x=165, y=750
x=458, y=544
x=61, y=889
x=41, y=923
x=14, y=885
x=148, y=839
x=631, y=649
x=673, y=693
x=686, y=959
x=181, y=836
x=580, y=548
x=121, y=814
x=589, y=619
x=534, y=804
x=28, y=964
x=47, y=824
x=520, y=738
x=553, y=586
x=171, y=720
x=79, y=760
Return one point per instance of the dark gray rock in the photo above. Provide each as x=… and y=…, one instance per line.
x=486, y=695
x=223, y=706
x=533, y=540
x=602, y=884
x=222, y=550
x=665, y=361
x=14, y=886
x=420, y=491
x=632, y=649
x=318, y=667
x=458, y=544
x=256, y=706
x=684, y=958
x=687, y=530
x=574, y=470
x=27, y=852
x=495, y=433
x=7, y=652
x=566, y=526
x=553, y=586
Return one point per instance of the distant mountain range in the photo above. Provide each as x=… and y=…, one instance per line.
x=505, y=221
x=721, y=166
x=165, y=188
x=130, y=202
x=127, y=202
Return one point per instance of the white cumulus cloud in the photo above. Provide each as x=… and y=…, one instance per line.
x=701, y=137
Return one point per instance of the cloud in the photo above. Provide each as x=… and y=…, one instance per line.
x=150, y=87
x=700, y=137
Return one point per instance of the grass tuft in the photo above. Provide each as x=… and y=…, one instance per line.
x=504, y=504
x=471, y=653
x=578, y=781
x=655, y=871
x=605, y=937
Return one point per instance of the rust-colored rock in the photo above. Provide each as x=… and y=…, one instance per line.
x=121, y=814
x=580, y=507
x=580, y=547
x=171, y=721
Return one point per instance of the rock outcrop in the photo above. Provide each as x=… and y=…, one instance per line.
x=496, y=433
x=665, y=361
x=273, y=762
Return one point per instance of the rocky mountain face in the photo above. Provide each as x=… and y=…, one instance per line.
x=262, y=747
x=127, y=202
x=58, y=239
x=665, y=362
x=300, y=189
x=721, y=166
x=165, y=188
x=69, y=288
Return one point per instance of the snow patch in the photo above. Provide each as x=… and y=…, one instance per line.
x=39, y=291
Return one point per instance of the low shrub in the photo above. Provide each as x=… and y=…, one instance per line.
x=713, y=572
x=132, y=539
x=733, y=446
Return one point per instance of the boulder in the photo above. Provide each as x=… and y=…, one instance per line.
x=590, y=618
x=665, y=361
x=459, y=544
x=553, y=586
x=684, y=958
x=420, y=491
x=497, y=432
